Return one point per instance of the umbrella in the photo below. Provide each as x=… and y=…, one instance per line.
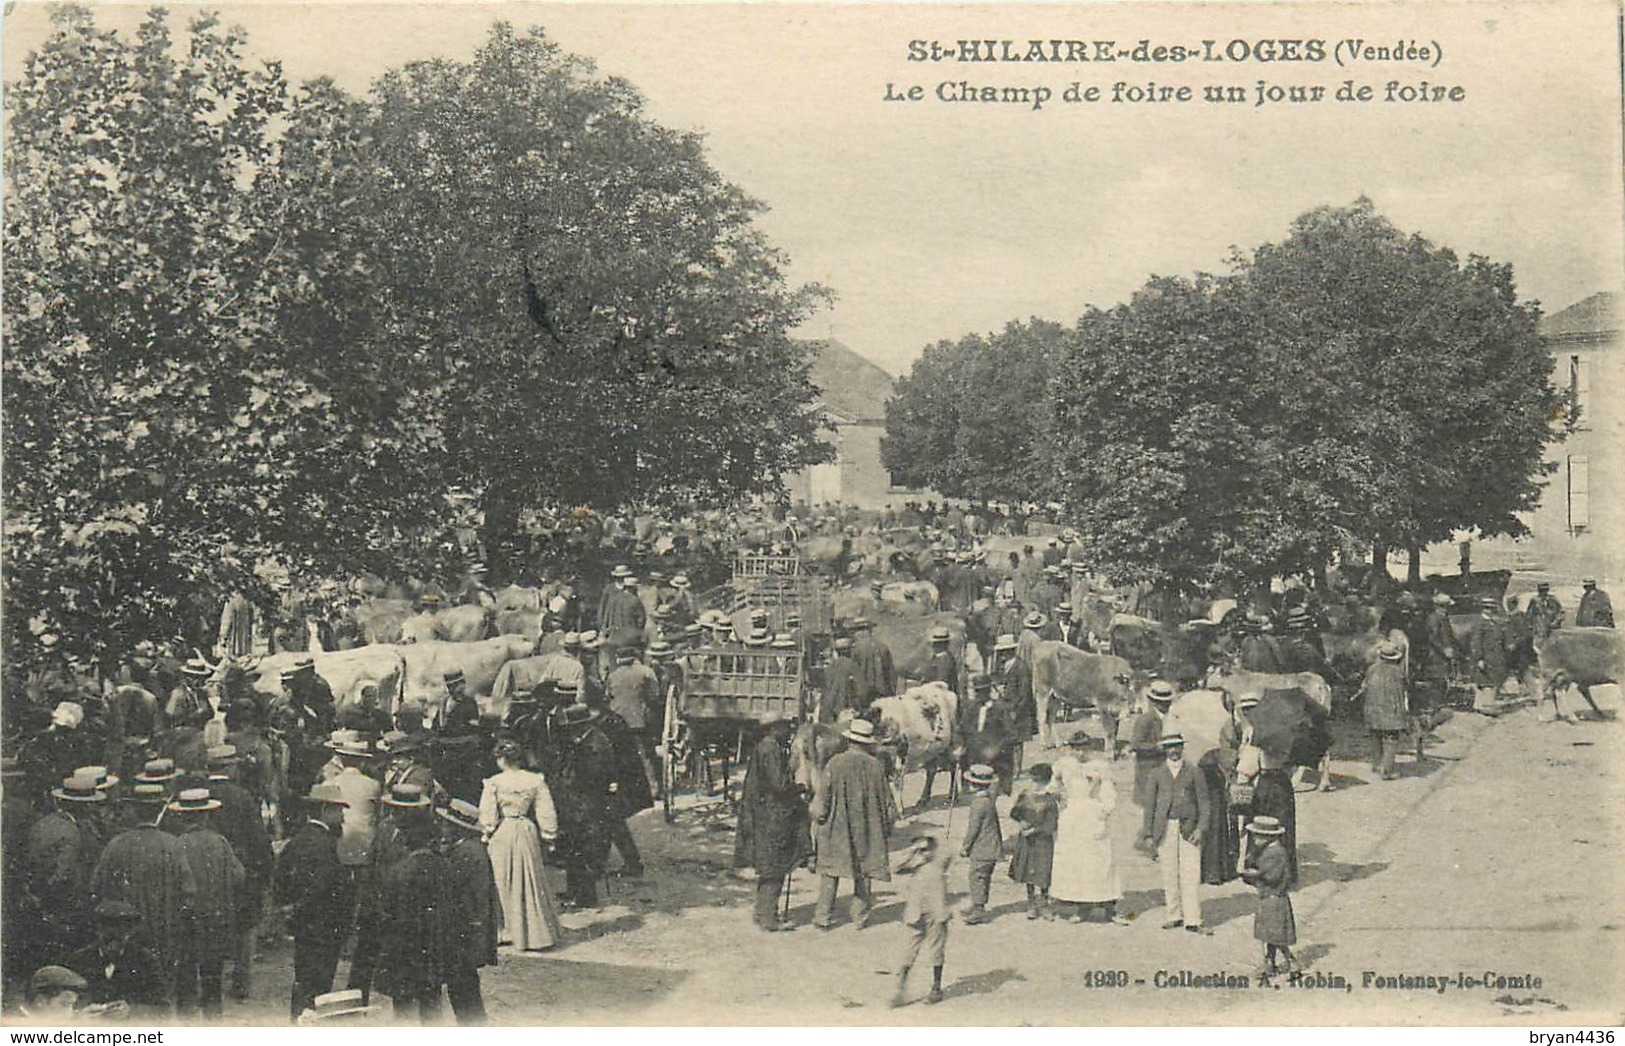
x=1291, y=728
x=1198, y=715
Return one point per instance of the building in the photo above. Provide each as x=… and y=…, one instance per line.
x=1578, y=530
x=853, y=395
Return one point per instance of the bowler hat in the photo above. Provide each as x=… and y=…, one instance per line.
x=578, y=714
x=1543, y=586
x=1079, y=739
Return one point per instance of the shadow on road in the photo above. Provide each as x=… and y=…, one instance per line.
x=1317, y=864
x=981, y=983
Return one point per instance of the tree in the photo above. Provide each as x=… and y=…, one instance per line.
x=1156, y=455
x=971, y=417
x=1412, y=394
x=176, y=412
x=604, y=321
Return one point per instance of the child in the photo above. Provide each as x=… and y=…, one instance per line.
x=984, y=842
x=1038, y=812
x=1273, y=925
x=927, y=913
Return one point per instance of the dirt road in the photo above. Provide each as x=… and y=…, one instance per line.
x=1502, y=856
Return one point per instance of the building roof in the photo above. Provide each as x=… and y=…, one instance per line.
x=1593, y=318
x=850, y=386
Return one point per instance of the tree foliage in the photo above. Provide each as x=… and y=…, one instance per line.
x=971, y=418
x=606, y=323
x=1350, y=386
x=249, y=324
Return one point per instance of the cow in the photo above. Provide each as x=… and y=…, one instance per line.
x=427, y=663
x=1239, y=684
x=344, y=671
x=1581, y=658
x=380, y=619
x=464, y=624
x=1078, y=679
x=1176, y=652
x=918, y=726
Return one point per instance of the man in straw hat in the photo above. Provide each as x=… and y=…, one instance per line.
x=211, y=920
x=61, y=850
x=854, y=820
x=943, y=667
x=476, y=914
x=772, y=836
x=412, y=954
x=1177, y=816
x=310, y=878
x=145, y=867
x=189, y=704
x=1491, y=655
x=1145, y=738
x=1386, y=707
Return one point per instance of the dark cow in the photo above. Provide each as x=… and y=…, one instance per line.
x=1078, y=679
x=1176, y=652
x=909, y=640
x=1581, y=658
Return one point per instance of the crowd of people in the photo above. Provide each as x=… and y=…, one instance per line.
x=155, y=829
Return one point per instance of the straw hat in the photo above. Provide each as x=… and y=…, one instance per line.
x=860, y=730
x=979, y=776
x=193, y=801
x=1266, y=826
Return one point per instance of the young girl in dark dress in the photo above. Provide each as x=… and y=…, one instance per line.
x=1037, y=811
x=1269, y=870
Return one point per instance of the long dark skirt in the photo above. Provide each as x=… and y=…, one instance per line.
x=1220, y=846
x=1273, y=797
x=1274, y=923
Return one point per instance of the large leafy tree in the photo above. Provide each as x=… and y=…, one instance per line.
x=176, y=410
x=1411, y=392
x=604, y=321
x=971, y=419
x=1157, y=458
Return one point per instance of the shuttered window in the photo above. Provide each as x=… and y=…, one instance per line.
x=1580, y=388
x=1579, y=493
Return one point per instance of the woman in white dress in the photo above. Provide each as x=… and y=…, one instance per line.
x=1085, y=869
x=516, y=814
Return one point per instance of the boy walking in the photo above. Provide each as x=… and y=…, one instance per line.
x=926, y=913
x=984, y=842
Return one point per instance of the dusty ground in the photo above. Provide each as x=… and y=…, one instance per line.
x=1503, y=855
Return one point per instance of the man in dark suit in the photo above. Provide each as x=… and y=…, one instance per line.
x=840, y=682
x=310, y=878
x=942, y=668
x=1175, y=794
x=876, y=673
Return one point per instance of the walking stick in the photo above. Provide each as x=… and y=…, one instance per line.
x=789, y=879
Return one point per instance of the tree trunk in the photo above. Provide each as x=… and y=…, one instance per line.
x=499, y=529
x=1413, y=569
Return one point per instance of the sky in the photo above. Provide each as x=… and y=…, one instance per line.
x=934, y=219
